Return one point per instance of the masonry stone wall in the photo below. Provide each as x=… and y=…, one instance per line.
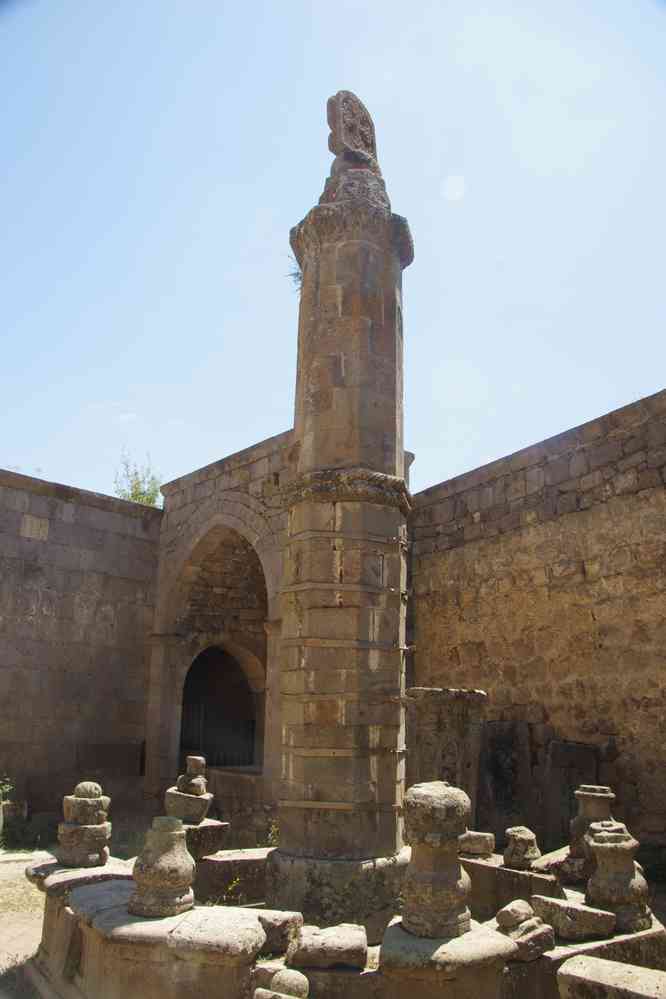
x=219, y=585
x=541, y=578
x=77, y=593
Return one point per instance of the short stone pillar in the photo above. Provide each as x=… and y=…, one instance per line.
x=83, y=838
x=190, y=800
x=617, y=884
x=434, y=951
x=521, y=849
x=163, y=871
x=594, y=805
x=436, y=888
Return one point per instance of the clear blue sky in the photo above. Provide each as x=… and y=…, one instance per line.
x=155, y=154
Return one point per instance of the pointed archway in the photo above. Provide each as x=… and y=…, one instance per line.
x=219, y=714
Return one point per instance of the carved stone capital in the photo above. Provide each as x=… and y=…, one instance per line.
x=352, y=220
x=351, y=485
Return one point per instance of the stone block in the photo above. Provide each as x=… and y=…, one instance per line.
x=281, y=929
x=291, y=983
x=532, y=938
x=572, y=920
x=595, y=978
x=476, y=844
x=514, y=914
x=232, y=876
x=205, y=838
x=345, y=945
x=190, y=808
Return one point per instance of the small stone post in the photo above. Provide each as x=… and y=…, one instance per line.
x=163, y=871
x=594, y=805
x=83, y=838
x=521, y=849
x=617, y=884
x=436, y=888
x=189, y=799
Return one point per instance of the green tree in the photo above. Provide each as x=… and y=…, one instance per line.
x=137, y=483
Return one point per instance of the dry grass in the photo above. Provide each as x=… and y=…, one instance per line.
x=20, y=899
x=16, y=892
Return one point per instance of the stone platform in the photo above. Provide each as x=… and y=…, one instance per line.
x=92, y=947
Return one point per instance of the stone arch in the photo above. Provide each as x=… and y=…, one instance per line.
x=213, y=590
x=236, y=512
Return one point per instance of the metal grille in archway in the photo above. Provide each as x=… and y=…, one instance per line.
x=219, y=716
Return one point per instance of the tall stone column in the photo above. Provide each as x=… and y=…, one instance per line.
x=343, y=625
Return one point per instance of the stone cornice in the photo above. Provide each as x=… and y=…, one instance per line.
x=352, y=219
x=351, y=485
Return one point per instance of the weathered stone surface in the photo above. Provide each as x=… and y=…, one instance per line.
x=206, y=837
x=291, y=983
x=475, y=962
x=326, y=892
x=476, y=844
x=573, y=865
x=78, y=575
x=595, y=978
x=195, y=766
x=163, y=872
x=112, y=953
x=572, y=920
x=190, y=808
x=269, y=994
x=188, y=799
x=530, y=934
x=521, y=848
x=532, y=938
x=84, y=836
x=345, y=945
x=494, y=886
x=233, y=877
x=235, y=935
x=501, y=571
x=281, y=929
x=343, y=606
x=436, y=890
x=86, y=809
x=443, y=734
x=514, y=914
x=594, y=805
x=617, y=883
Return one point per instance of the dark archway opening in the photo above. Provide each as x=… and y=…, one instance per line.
x=219, y=711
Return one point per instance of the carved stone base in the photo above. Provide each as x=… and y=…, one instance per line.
x=206, y=838
x=329, y=892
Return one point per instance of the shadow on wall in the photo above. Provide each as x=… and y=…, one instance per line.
x=528, y=776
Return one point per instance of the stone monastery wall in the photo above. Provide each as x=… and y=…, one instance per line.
x=77, y=576
x=219, y=585
x=541, y=578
